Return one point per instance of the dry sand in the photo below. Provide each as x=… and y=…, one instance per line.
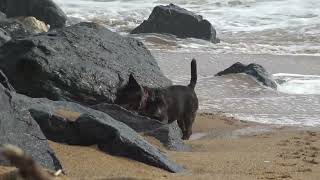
x=222, y=148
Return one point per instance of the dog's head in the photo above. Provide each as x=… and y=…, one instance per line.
x=147, y=102
x=155, y=106
x=130, y=95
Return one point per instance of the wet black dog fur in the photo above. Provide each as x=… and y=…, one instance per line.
x=167, y=104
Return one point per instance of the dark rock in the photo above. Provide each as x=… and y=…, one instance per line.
x=135, y=121
x=85, y=63
x=75, y=124
x=5, y=82
x=118, y=139
x=168, y=134
x=44, y=10
x=13, y=28
x=254, y=70
x=174, y=20
x=18, y=128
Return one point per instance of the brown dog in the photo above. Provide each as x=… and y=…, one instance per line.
x=164, y=104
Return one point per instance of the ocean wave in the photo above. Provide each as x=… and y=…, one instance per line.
x=260, y=45
x=298, y=83
x=244, y=26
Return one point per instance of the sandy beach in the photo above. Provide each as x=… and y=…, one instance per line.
x=62, y=61
x=222, y=148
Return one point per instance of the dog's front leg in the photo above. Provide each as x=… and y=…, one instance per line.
x=182, y=127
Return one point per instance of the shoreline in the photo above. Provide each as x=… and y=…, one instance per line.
x=230, y=149
x=242, y=130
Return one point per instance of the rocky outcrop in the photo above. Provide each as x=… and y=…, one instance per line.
x=255, y=70
x=32, y=25
x=85, y=63
x=18, y=128
x=72, y=123
x=175, y=20
x=168, y=134
x=44, y=10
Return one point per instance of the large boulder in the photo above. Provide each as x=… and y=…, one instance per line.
x=85, y=63
x=172, y=19
x=255, y=70
x=72, y=123
x=168, y=134
x=17, y=127
x=44, y=10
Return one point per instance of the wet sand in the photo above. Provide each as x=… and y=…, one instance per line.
x=222, y=148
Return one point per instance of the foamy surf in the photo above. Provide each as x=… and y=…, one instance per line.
x=244, y=26
x=297, y=83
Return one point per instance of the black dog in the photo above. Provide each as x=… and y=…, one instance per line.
x=164, y=104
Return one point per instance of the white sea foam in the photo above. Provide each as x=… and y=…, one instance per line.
x=298, y=83
x=244, y=26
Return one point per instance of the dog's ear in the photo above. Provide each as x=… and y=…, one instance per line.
x=134, y=86
x=133, y=82
x=130, y=95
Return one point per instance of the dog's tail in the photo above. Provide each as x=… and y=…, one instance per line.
x=193, y=80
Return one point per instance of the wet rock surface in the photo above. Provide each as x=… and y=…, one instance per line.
x=172, y=19
x=255, y=70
